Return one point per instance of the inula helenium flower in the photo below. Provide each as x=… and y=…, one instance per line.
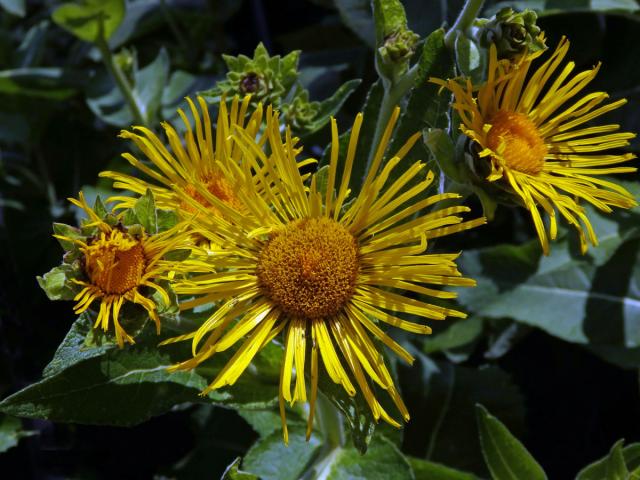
x=119, y=264
x=325, y=269
x=199, y=160
x=534, y=137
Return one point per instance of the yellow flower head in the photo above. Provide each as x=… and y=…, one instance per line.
x=326, y=271
x=117, y=266
x=199, y=160
x=534, y=136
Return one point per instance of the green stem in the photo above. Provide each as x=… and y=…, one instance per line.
x=393, y=93
x=329, y=421
x=121, y=80
x=468, y=13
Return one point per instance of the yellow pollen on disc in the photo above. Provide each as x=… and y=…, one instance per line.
x=516, y=138
x=309, y=268
x=115, y=262
x=220, y=188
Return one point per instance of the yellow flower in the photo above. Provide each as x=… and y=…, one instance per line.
x=326, y=271
x=536, y=141
x=117, y=265
x=200, y=160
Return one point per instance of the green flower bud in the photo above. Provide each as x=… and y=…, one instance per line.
x=513, y=33
x=268, y=79
x=300, y=113
x=398, y=47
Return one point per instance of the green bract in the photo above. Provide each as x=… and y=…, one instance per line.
x=512, y=32
x=274, y=80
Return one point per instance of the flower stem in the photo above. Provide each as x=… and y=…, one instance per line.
x=464, y=21
x=121, y=80
x=393, y=93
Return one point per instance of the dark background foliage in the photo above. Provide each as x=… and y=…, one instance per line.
x=566, y=403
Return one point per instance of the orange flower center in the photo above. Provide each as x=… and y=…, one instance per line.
x=115, y=262
x=309, y=268
x=516, y=138
x=220, y=188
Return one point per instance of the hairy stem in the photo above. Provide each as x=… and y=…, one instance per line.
x=121, y=81
x=393, y=93
x=468, y=13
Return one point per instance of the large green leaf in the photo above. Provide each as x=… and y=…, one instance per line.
x=425, y=470
x=616, y=465
x=40, y=82
x=271, y=459
x=383, y=461
x=90, y=19
x=506, y=457
x=441, y=396
x=92, y=381
x=355, y=410
x=592, y=299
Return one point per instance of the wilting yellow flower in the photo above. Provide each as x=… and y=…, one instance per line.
x=538, y=143
x=200, y=161
x=117, y=265
x=325, y=270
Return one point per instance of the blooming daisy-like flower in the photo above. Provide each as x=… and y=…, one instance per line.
x=118, y=265
x=199, y=160
x=324, y=269
x=537, y=143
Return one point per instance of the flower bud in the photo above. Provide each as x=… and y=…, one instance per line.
x=513, y=33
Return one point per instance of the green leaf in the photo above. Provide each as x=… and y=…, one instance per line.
x=67, y=231
x=356, y=412
x=441, y=397
x=458, y=334
x=11, y=432
x=40, y=82
x=425, y=470
x=616, y=465
x=383, y=460
x=443, y=151
x=149, y=85
x=233, y=472
x=330, y=106
x=15, y=7
x=145, y=210
x=56, y=282
x=166, y=219
x=506, y=457
x=75, y=347
x=357, y=15
x=271, y=459
x=106, y=101
x=104, y=385
x=470, y=58
x=265, y=422
x=90, y=19
x=600, y=304
x=389, y=16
